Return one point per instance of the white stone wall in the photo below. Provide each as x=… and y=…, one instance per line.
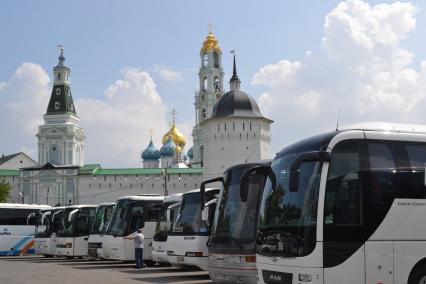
x=230, y=141
x=108, y=188
x=20, y=161
x=14, y=191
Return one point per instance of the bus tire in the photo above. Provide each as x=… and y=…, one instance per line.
x=418, y=274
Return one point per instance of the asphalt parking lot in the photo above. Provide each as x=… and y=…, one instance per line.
x=40, y=270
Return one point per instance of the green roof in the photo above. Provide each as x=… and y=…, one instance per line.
x=146, y=171
x=9, y=173
x=89, y=168
x=127, y=171
x=184, y=170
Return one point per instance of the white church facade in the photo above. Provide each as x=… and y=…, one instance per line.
x=229, y=128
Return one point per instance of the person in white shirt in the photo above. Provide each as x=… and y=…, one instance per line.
x=138, y=239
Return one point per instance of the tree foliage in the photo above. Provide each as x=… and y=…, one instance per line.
x=4, y=191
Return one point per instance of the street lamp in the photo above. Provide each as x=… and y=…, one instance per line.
x=163, y=171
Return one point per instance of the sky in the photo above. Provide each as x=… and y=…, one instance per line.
x=132, y=62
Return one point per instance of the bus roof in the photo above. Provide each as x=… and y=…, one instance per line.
x=198, y=190
x=387, y=127
x=142, y=197
x=24, y=206
x=105, y=204
x=173, y=198
x=80, y=206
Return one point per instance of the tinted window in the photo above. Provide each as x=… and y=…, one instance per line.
x=13, y=216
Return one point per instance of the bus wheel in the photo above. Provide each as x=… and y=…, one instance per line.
x=418, y=275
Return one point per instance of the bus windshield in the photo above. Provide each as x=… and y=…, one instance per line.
x=236, y=223
x=102, y=217
x=43, y=226
x=189, y=219
x=287, y=220
x=130, y=215
x=163, y=226
x=77, y=221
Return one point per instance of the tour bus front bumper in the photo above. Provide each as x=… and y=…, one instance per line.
x=159, y=252
x=225, y=268
x=278, y=273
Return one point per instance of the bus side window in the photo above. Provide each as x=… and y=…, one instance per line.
x=411, y=183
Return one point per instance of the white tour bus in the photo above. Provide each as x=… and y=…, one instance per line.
x=99, y=224
x=45, y=231
x=346, y=207
x=187, y=241
x=17, y=228
x=73, y=234
x=167, y=213
x=232, y=244
x=131, y=213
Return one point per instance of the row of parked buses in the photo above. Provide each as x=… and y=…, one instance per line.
x=347, y=206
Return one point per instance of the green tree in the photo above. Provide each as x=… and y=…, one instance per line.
x=4, y=191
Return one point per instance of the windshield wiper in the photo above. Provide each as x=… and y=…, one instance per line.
x=272, y=241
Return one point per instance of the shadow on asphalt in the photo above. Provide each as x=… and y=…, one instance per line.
x=172, y=279
x=102, y=266
x=153, y=271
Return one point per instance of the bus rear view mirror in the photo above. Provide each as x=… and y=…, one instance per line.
x=205, y=214
x=203, y=189
x=32, y=219
x=315, y=156
x=264, y=170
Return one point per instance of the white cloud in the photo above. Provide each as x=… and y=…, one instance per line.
x=364, y=70
x=117, y=128
x=168, y=74
x=23, y=101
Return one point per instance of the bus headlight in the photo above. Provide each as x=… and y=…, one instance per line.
x=305, y=277
x=68, y=245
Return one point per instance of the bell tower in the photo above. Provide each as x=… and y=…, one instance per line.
x=210, y=90
x=60, y=139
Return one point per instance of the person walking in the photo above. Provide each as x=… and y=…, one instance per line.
x=138, y=240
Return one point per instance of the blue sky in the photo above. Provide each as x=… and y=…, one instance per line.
x=102, y=39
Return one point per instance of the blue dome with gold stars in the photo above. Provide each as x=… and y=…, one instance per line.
x=151, y=153
x=191, y=153
x=168, y=148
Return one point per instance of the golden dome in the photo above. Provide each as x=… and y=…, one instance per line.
x=211, y=43
x=176, y=135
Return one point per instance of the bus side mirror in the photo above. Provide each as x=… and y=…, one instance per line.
x=315, y=156
x=32, y=219
x=264, y=170
x=203, y=189
x=205, y=214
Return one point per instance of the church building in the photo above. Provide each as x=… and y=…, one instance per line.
x=229, y=129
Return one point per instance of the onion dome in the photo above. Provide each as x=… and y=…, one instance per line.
x=168, y=148
x=177, y=137
x=151, y=153
x=191, y=153
x=210, y=43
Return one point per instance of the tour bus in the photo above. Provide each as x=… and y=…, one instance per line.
x=232, y=244
x=73, y=234
x=346, y=207
x=17, y=228
x=168, y=211
x=131, y=213
x=45, y=231
x=187, y=241
x=99, y=224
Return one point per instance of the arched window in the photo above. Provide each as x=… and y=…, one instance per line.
x=205, y=60
x=205, y=84
x=203, y=113
x=54, y=154
x=59, y=76
x=216, y=84
x=215, y=59
x=243, y=126
x=201, y=153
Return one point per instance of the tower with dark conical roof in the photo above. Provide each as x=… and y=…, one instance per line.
x=60, y=139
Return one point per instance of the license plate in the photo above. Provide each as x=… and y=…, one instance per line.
x=272, y=277
x=180, y=258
